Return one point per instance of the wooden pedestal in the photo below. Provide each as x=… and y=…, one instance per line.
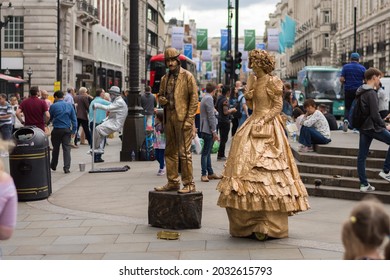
x=171, y=210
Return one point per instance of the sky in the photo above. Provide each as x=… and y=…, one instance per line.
x=213, y=14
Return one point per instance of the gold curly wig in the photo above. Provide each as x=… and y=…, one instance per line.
x=263, y=60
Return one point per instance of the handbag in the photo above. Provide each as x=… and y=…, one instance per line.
x=261, y=131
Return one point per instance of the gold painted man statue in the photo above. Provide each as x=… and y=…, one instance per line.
x=179, y=97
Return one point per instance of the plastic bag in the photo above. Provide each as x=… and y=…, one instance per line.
x=215, y=147
x=198, y=146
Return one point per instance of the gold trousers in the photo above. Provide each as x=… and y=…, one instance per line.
x=178, y=147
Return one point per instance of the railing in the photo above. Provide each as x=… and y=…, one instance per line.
x=381, y=46
x=333, y=27
x=369, y=49
x=301, y=54
x=83, y=5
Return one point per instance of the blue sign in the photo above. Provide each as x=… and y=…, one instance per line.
x=260, y=46
x=224, y=39
x=188, y=50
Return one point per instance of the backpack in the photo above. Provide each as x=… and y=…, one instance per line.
x=238, y=113
x=356, y=115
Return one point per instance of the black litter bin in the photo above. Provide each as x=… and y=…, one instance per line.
x=30, y=164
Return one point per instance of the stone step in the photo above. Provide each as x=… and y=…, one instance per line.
x=336, y=170
x=353, y=151
x=345, y=193
x=343, y=182
x=328, y=159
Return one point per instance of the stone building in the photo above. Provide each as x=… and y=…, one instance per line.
x=81, y=42
x=325, y=33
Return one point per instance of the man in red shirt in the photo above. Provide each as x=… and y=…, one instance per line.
x=34, y=109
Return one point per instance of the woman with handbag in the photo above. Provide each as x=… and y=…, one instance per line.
x=261, y=185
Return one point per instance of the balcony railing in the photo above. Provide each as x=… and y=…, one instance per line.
x=301, y=54
x=381, y=46
x=84, y=6
x=369, y=49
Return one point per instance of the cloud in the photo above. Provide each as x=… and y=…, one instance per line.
x=207, y=5
x=250, y=16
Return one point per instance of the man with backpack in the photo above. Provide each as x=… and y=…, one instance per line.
x=224, y=113
x=371, y=126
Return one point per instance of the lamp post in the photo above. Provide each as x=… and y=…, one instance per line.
x=29, y=73
x=6, y=72
x=10, y=10
x=354, y=24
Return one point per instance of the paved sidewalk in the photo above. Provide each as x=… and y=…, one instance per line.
x=104, y=216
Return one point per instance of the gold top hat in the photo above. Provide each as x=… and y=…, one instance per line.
x=171, y=53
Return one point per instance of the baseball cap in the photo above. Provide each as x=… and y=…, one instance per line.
x=355, y=55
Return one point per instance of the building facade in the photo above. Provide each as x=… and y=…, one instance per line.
x=325, y=33
x=78, y=42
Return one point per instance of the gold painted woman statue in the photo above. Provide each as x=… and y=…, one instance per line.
x=261, y=185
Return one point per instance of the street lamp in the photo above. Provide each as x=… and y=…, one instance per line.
x=29, y=73
x=10, y=10
x=354, y=24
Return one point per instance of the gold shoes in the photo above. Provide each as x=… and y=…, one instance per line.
x=214, y=176
x=167, y=188
x=187, y=189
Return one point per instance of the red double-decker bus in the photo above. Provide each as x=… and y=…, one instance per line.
x=158, y=69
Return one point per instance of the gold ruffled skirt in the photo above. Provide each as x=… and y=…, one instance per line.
x=261, y=185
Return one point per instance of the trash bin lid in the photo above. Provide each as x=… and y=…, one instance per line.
x=30, y=136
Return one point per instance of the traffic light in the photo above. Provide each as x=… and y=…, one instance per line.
x=228, y=64
x=238, y=60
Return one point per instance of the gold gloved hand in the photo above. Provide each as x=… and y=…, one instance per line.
x=162, y=100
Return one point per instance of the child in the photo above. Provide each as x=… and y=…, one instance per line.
x=159, y=143
x=365, y=230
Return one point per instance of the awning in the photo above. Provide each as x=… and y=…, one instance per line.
x=11, y=79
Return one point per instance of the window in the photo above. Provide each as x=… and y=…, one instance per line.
x=14, y=34
x=327, y=17
x=326, y=41
x=152, y=39
x=152, y=14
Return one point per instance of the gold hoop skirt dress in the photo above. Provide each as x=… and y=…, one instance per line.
x=261, y=185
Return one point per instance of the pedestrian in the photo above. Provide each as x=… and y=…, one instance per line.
x=243, y=108
x=208, y=129
x=159, y=142
x=224, y=119
x=314, y=127
x=64, y=122
x=81, y=102
x=352, y=76
x=117, y=113
x=68, y=98
x=261, y=185
x=373, y=127
x=365, y=231
x=100, y=116
x=383, y=102
x=16, y=124
x=45, y=96
x=148, y=103
x=329, y=117
x=237, y=114
x=5, y=118
x=34, y=109
x=179, y=96
x=8, y=200
x=125, y=94
x=287, y=102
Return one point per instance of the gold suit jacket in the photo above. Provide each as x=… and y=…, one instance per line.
x=186, y=95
